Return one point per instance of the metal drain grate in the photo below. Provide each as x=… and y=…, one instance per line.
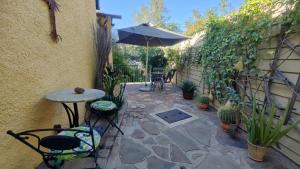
x=173, y=115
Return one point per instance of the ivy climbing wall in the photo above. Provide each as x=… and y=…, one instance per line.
x=279, y=85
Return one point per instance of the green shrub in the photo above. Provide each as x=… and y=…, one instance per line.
x=158, y=61
x=188, y=86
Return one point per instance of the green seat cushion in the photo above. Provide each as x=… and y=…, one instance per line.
x=85, y=144
x=103, y=105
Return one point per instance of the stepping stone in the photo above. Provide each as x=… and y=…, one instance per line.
x=150, y=141
x=138, y=134
x=127, y=167
x=163, y=140
x=150, y=127
x=162, y=152
x=197, y=155
x=155, y=163
x=181, y=140
x=132, y=152
x=213, y=161
x=103, y=153
x=178, y=155
x=199, y=130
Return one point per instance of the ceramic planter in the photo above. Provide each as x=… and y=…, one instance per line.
x=202, y=106
x=225, y=126
x=256, y=152
x=188, y=95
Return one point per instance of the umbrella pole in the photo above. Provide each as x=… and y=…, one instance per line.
x=147, y=55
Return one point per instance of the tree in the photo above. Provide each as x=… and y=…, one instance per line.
x=155, y=13
x=198, y=22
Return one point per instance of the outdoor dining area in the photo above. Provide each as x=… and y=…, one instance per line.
x=218, y=96
x=142, y=125
x=57, y=144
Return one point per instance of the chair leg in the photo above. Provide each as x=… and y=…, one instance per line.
x=114, y=125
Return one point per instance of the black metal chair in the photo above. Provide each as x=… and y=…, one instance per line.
x=68, y=144
x=170, y=75
x=109, y=114
x=157, y=78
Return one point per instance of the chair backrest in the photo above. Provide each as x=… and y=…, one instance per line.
x=170, y=75
x=157, y=69
x=51, y=146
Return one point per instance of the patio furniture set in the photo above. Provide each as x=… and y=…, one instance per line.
x=57, y=144
x=159, y=78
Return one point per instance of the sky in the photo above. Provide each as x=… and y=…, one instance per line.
x=179, y=11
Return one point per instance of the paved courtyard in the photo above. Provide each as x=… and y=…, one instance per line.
x=199, y=144
x=150, y=144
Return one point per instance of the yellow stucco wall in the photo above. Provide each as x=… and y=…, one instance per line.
x=32, y=65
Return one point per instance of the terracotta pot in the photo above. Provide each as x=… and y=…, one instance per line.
x=256, y=152
x=188, y=95
x=225, y=126
x=203, y=106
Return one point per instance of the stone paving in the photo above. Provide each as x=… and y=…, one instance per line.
x=200, y=144
x=149, y=144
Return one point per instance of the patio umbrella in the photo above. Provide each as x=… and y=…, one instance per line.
x=147, y=35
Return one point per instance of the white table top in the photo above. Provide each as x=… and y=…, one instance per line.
x=69, y=95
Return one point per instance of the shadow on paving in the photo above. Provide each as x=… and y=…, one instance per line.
x=199, y=144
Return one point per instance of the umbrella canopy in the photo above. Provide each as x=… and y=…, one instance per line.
x=144, y=33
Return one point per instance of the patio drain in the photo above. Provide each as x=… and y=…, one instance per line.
x=173, y=117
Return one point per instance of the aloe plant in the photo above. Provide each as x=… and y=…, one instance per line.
x=262, y=130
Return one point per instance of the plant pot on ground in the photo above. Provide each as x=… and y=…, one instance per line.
x=188, y=88
x=263, y=131
x=228, y=118
x=203, y=102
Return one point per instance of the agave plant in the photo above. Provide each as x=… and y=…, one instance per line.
x=262, y=130
x=188, y=86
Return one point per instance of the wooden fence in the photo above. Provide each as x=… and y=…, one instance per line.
x=279, y=65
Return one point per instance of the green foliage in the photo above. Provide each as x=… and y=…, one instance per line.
x=155, y=13
x=262, y=130
x=152, y=51
x=158, y=61
x=198, y=23
x=172, y=55
x=188, y=86
x=229, y=47
x=227, y=40
x=118, y=100
x=203, y=99
x=111, y=80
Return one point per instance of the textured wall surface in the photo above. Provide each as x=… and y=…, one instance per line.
x=32, y=65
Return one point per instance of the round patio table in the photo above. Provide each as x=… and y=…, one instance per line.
x=69, y=96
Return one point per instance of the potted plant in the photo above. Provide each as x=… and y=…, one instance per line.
x=203, y=102
x=188, y=88
x=228, y=117
x=263, y=131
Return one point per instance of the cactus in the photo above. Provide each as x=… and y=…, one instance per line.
x=203, y=100
x=227, y=116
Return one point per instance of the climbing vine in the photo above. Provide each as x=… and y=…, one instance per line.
x=231, y=43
